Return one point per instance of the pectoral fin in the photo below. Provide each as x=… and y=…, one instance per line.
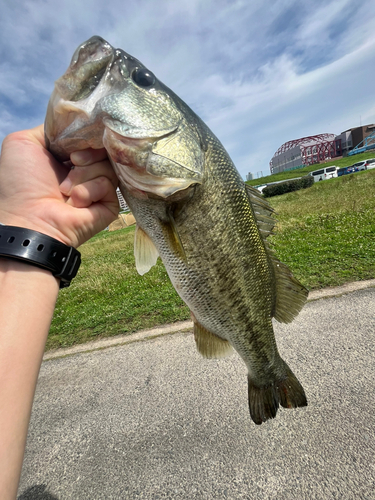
x=172, y=236
x=209, y=344
x=145, y=252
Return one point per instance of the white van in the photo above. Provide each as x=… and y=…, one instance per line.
x=324, y=173
x=364, y=165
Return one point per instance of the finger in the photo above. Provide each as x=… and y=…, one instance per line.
x=88, y=156
x=80, y=175
x=95, y=190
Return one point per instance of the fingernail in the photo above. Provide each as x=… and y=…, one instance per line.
x=66, y=186
x=81, y=157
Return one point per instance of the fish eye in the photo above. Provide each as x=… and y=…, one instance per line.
x=143, y=77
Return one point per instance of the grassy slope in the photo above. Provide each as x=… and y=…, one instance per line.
x=282, y=176
x=109, y=297
x=326, y=234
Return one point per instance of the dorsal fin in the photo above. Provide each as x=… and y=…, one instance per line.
x=290, y=295
x=262, y=211
x=209, y=344
x=145, y=252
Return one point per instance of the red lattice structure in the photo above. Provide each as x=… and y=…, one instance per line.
x=314, y=148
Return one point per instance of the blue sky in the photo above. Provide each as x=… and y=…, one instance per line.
x=258, y=73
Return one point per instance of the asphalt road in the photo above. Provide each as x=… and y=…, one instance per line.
x=154, y=420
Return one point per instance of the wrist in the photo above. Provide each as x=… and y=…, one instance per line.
x=31, y=222
x=23, y=275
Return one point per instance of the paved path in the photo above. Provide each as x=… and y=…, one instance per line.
x=153, y=420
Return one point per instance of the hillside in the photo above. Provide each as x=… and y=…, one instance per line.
x=326, y=234
x=283, y=176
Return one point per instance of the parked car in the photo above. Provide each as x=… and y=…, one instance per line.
x=324, y=173
x=370, y=163
x=361, y=165
x=345, y=170
x=357, y=167
x=364, y=165
x=342, y=171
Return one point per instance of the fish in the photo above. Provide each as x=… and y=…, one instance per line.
x=192, y=209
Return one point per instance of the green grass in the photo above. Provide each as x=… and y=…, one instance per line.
x=283, y=176
x=326, y=234
x=108, y=297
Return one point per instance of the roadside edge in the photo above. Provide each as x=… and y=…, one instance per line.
x=182, y=326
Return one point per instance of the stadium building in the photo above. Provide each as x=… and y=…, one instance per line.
x=305, y=151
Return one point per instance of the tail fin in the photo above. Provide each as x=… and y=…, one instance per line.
x=264, y=400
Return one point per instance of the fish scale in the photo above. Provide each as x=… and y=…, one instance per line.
x=192, y=209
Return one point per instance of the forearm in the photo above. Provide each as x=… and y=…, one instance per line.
x=70, y=205
x=27, y=301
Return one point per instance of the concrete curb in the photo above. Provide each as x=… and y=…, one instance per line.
x=182, y=326
x=326, y=293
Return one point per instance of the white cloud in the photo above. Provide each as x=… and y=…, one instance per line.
x=259, y=75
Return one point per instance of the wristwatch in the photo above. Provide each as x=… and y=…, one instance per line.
x=41, y=251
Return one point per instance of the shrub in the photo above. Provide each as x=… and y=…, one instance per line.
x=288, y=186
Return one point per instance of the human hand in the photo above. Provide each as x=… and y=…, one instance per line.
x=38, y=192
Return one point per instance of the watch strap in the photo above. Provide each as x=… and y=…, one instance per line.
x=40, y=250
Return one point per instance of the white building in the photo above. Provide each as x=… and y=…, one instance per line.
x=346, y=141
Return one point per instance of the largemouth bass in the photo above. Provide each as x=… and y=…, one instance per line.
x=192, y=209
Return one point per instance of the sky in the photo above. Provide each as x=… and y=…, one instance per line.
x=258, y=72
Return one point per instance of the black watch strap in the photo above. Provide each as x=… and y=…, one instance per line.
x=40, y=250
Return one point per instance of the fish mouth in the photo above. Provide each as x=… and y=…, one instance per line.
x=78, y=116
x=96, y=69
x=94, y=61
x=87, y=68
x=114, y=69
x=89, y=84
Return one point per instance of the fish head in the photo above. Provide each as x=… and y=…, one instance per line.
x=107, y=98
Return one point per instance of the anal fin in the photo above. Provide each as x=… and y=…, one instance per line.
x=209, y=344
x=145, y=252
